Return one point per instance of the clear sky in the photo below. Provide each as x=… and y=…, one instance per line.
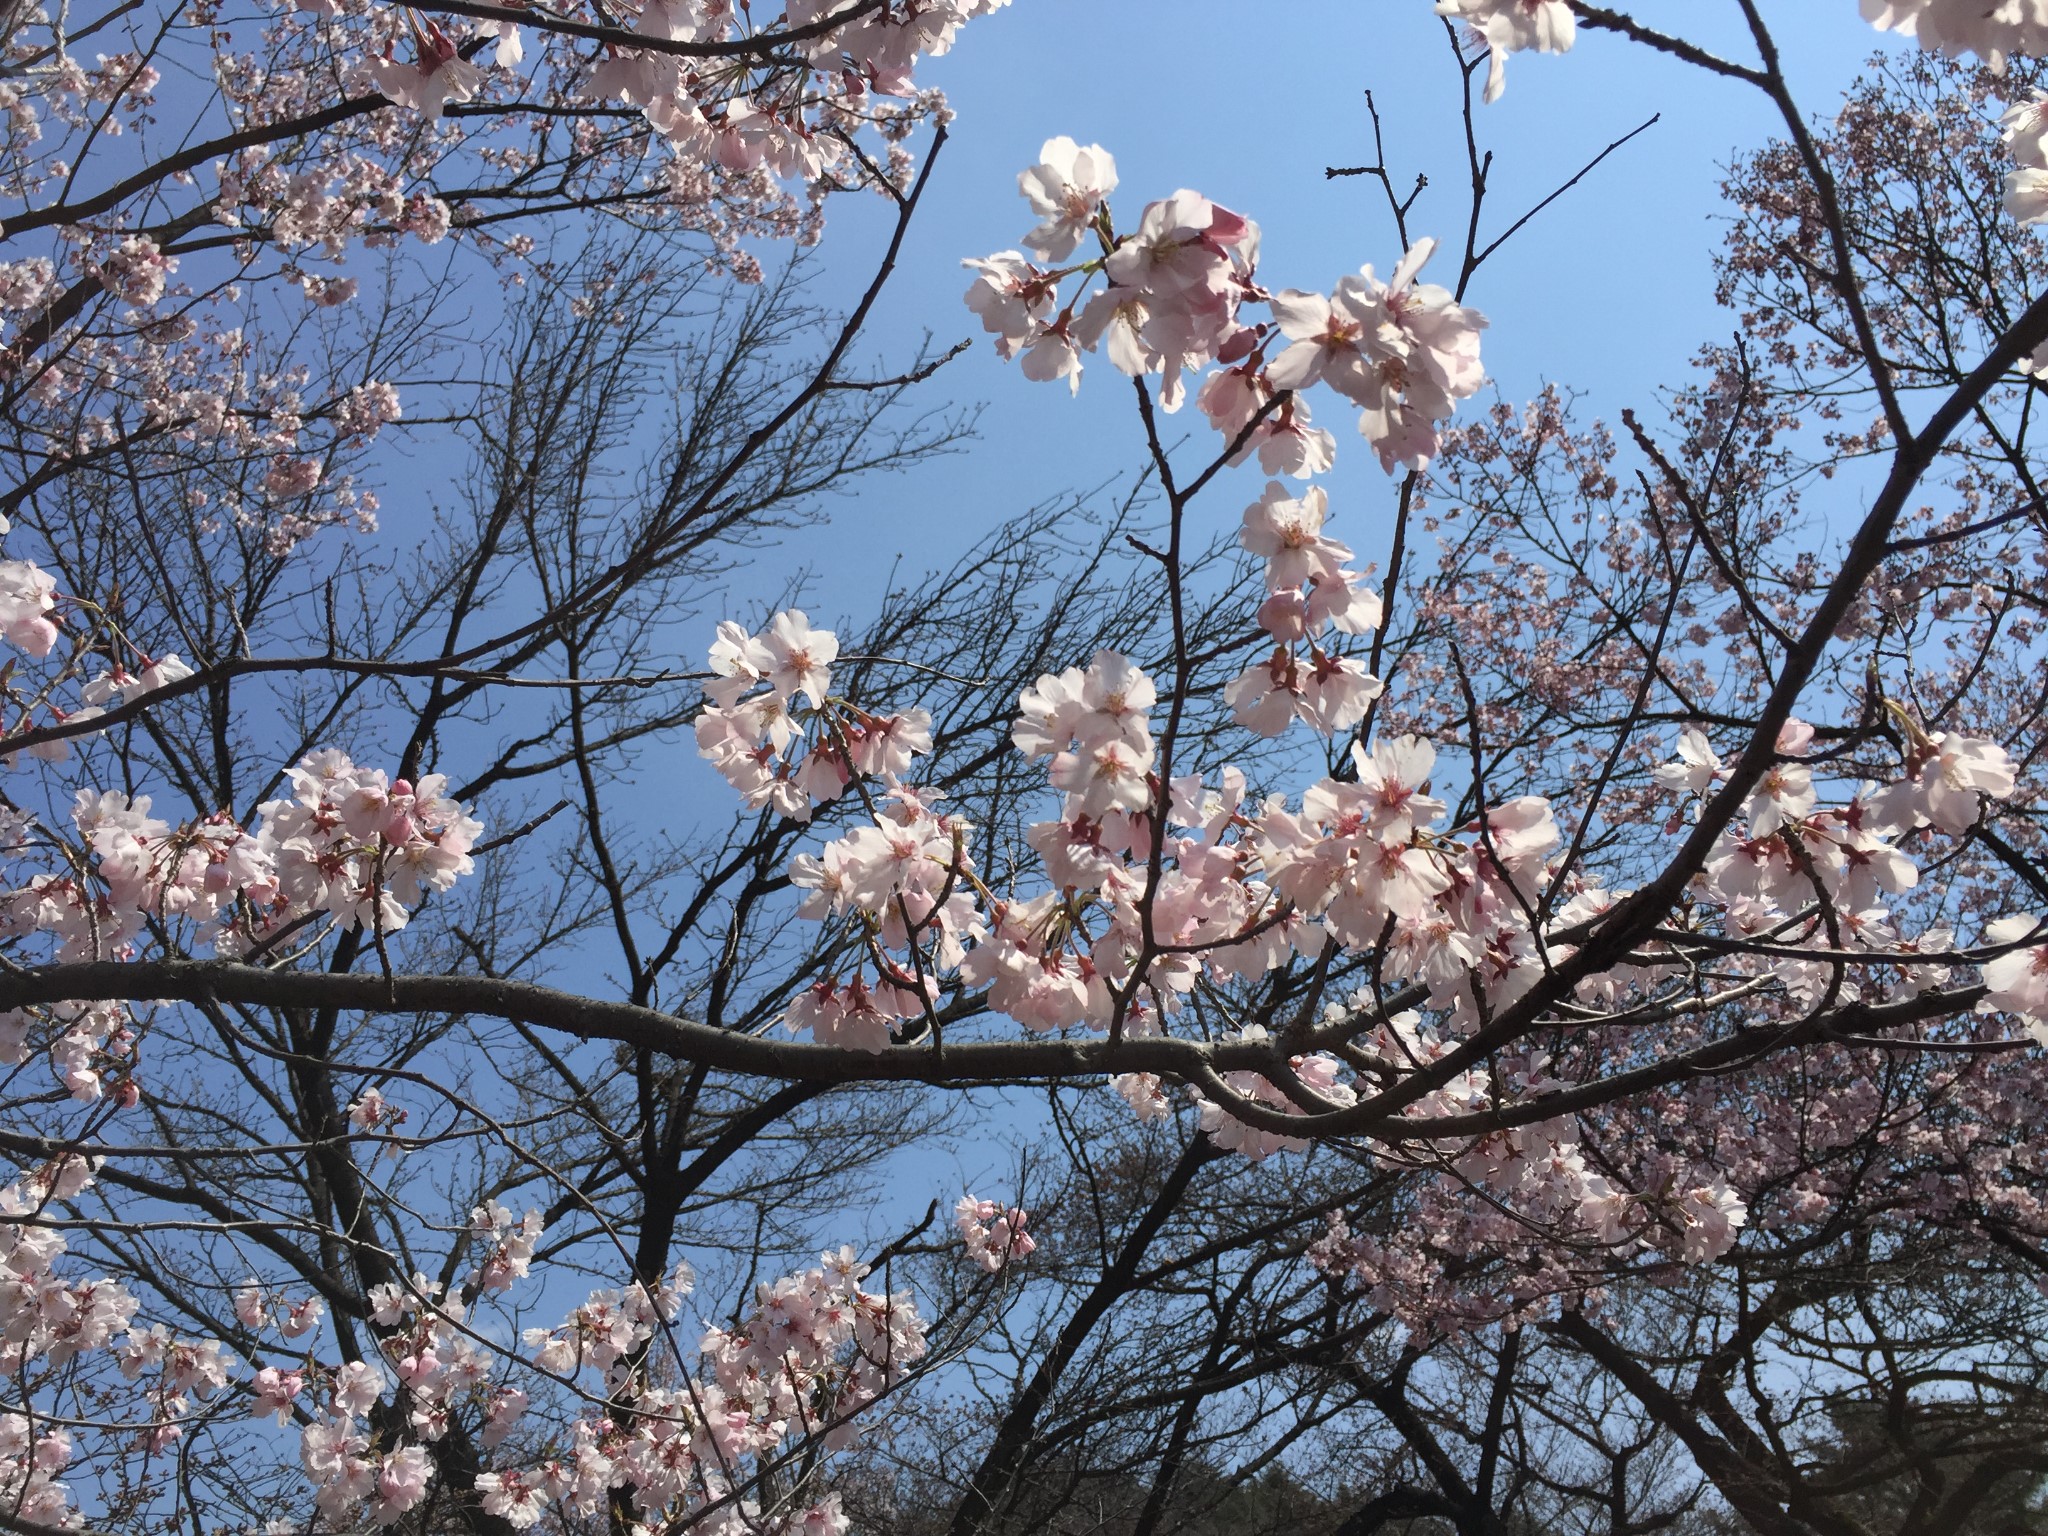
x=1608, y=292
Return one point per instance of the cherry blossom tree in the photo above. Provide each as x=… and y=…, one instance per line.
x=1538, y=1008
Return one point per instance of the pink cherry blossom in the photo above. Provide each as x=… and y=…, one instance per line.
x=402, y=1480
x=1965, y=26
x=438, y=76
x=992, y=1237
x=1066, y=190
x=275, y=1391
x=27, y=597
x=1011, y=296
x=799, y=657
x=1514, y=26
x=1288, y=534
x=1946, y=776
x=2016, y=982
x=1697, y=767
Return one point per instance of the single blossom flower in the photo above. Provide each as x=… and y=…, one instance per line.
x=1513, y=26
x=1066, y=190
x=437, y=76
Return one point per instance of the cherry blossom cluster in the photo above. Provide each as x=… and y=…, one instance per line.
x=53, y=1328
x=31, y=1457
x=738, y=120
x=1561, y=1206
x=117, y=685
x=608, y=1330
x=363, y=847
x=813, y=1351
x=729, y=130
x=350, y=843
x=1991, y=31
x=337, y=1450
x=1402, y=1277
x=1243, y=885
x=1232, y=896
x=1555, y=1192
x=906, y=874
x=1088, y=950
x=1176, y=285
x=790, y=123
x=1540, y=1171
x=374, y=1115
x=1363, y=857
x=2026, y=136
x=506, y=1245
x=1816, y=881
x=28, y=596
x=1315, y=1076
x=440, y=1366
x=749, y=736
x=90, y=1046
x=1802, y=878
x=187, y=389
x=33, y=619
x=1308, y=590
x=46, y=1318
x=2016, y=978
x=993, y=1236
x=1364, y=862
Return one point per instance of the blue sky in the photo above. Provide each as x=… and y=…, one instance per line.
x=1608, y=292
